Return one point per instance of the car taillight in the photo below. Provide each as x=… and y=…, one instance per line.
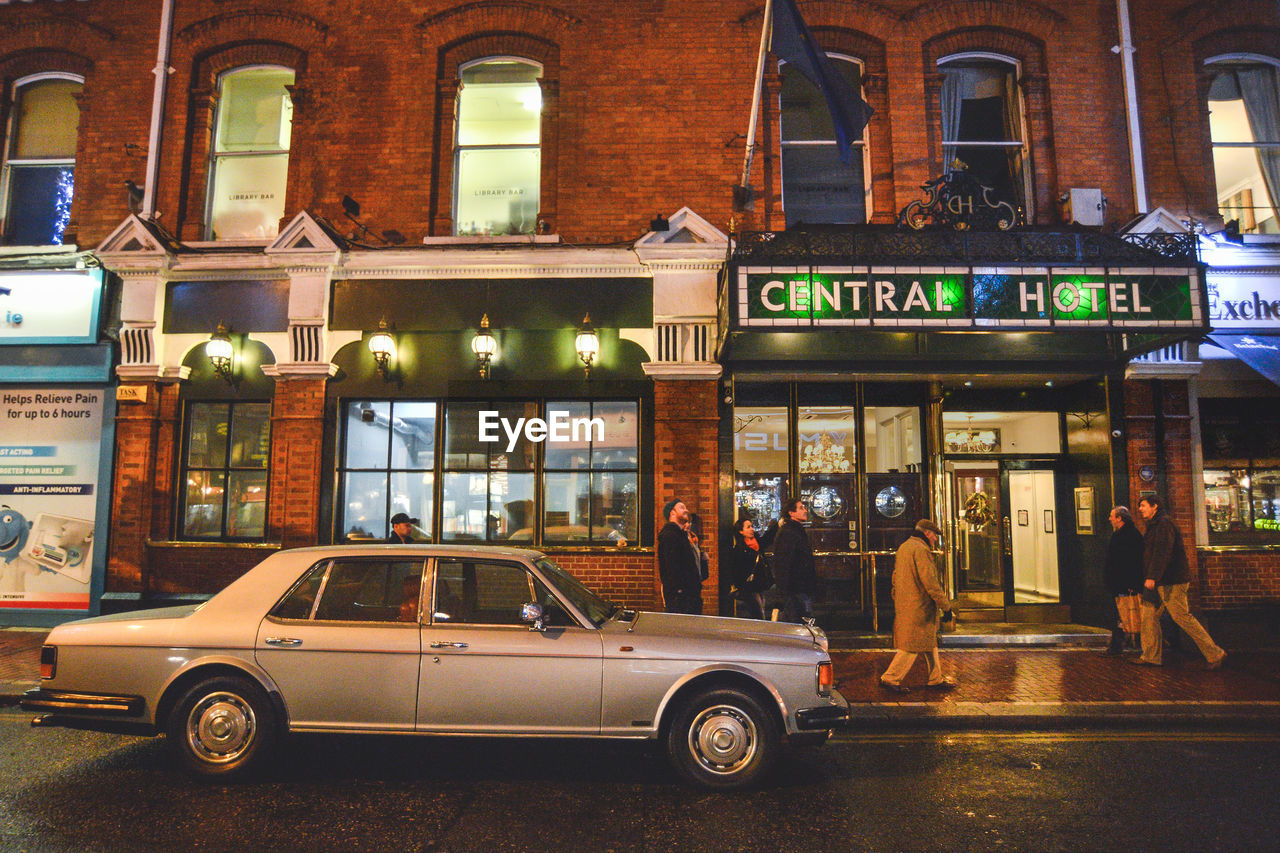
x=826, y=677
x=48, y=661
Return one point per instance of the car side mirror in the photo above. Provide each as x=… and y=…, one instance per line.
x=532, y=612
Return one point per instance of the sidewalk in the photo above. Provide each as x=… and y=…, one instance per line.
x=1005, y=686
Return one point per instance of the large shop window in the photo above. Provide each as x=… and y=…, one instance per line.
x=250, y=154
x=816, y=187
x=982, y=125
x=1244, y=124
x=502, y=478
x=228, y=446
x=498, y=155
x=38, y=179
x=1241, y=471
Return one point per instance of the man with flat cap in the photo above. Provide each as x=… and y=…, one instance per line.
x=918, y=599
x=677, y=562
x=401, y=529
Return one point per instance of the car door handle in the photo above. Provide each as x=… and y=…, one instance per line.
x=283, y=641
x=448, y=645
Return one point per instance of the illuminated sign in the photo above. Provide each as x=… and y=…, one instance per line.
x=968, y=297
x=50, y=306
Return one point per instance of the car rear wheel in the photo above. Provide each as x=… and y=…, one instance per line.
x=722, y=738
x=223, y=727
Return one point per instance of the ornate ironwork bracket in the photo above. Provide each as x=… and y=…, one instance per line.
x=960, y=201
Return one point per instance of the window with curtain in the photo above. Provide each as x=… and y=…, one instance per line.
x=1244, y=125
x=497, y=151
x=816, y=187
x=38, y=179
x=250, y=156
x=982, y=126
x=224, y=469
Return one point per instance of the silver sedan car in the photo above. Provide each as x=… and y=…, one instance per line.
x=434, y=639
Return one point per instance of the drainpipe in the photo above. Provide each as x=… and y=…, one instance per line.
x=162, y=72
x=1126, y=51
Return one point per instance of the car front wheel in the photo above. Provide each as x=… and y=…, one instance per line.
x=222, y=727
x=722, y=738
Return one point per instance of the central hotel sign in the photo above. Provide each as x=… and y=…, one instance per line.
x=969, y=297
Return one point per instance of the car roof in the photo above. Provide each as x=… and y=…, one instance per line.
x=422, y=549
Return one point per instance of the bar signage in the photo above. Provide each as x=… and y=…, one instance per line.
x=968, y=297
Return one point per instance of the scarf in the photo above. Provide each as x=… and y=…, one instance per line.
x=752, y=543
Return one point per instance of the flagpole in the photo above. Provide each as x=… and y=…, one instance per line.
x=765, y=32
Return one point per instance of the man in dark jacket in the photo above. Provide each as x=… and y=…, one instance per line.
x=401, y=529
x=793, y=568
x=1123, y=576
x=677, y=563
x=1164, y=562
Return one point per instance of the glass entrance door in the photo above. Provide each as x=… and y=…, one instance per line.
x=1033, y=524
x=979, y=553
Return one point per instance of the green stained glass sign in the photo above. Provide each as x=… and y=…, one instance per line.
x=973, y=297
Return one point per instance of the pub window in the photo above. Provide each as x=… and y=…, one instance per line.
x=1244, y=125
x=497, y=152
x=1241, y=443
x=224, y=467
x=250, y=156
x=38, y=179
x=590, y=482
x=488, y=484
x=982, y=124
x=388, y=466
x=816, y=187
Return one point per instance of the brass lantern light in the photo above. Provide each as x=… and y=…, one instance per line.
x=485, y=346
x=383, y=346
x=587, y=343
x=220, y=351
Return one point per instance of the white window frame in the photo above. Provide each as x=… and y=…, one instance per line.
x=215, y=156
x=1023, y=143
x=10, y=140
x=458, y=148
x=1241, y=59
x=860, y=142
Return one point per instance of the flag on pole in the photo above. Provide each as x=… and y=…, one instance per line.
x=793, y=43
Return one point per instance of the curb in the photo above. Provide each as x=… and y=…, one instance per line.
x=1055, y=716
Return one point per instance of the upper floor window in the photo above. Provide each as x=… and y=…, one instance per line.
x=982, y=124
x=38, y=180
x=498, y=154
x=1244, y=125
x=224, y=468
x=816, y=186
x=250, y=156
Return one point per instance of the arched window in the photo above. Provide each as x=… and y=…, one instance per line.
x=498, y=154
x=38, y=179
x=982, y=123
x=816, y=186
x=1244, y=125
x=250, y=154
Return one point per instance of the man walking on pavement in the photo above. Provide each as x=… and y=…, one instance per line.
x=1164, y=562
x=793, y=567
x=918, y=598
x=677, y=563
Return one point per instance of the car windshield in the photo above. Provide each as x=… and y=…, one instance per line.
x=591, y=605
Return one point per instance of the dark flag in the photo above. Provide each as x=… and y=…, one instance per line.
x=793, y=43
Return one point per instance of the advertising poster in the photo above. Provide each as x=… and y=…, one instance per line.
x=50, y=441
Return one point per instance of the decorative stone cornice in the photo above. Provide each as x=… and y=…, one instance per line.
x=675, y=370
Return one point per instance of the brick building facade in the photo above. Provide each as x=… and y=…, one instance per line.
x=361, y=197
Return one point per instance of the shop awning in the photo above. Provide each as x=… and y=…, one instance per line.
x=1261, y=352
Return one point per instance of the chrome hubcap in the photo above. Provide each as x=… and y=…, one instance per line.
x=723, y=739
x=221, y=727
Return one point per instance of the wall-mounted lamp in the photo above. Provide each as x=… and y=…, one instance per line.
x=587, y=343
x=220, y=352
x=485, y=346
x=383, y=347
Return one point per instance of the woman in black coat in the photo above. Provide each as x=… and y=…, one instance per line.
x=749, y=569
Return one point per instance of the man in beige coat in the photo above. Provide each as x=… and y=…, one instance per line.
x=918, y=598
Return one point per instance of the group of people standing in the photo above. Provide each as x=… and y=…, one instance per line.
x=1148, y=574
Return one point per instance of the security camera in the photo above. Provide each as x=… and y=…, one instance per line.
x=367, y=415
x=1115, y=433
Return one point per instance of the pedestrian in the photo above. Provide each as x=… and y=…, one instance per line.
x=677, y=562
x=749, y=570
x=793, y=567
x=402, y=529
x=918, y=599
x=1123, y=576
x=1167, y=576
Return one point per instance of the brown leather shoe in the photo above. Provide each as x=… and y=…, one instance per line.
x=947, y=683
x=895, y=688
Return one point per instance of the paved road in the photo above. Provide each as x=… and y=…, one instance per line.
x=76, y=791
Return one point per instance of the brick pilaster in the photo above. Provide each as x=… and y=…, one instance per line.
x=297, y=430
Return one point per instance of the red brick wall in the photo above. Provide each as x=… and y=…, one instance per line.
x=204, y=568
x=297, y=430
x=1239, y=579
x=626, y=578
x=686, y=465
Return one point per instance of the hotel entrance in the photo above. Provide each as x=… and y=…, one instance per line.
x=853, y=451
